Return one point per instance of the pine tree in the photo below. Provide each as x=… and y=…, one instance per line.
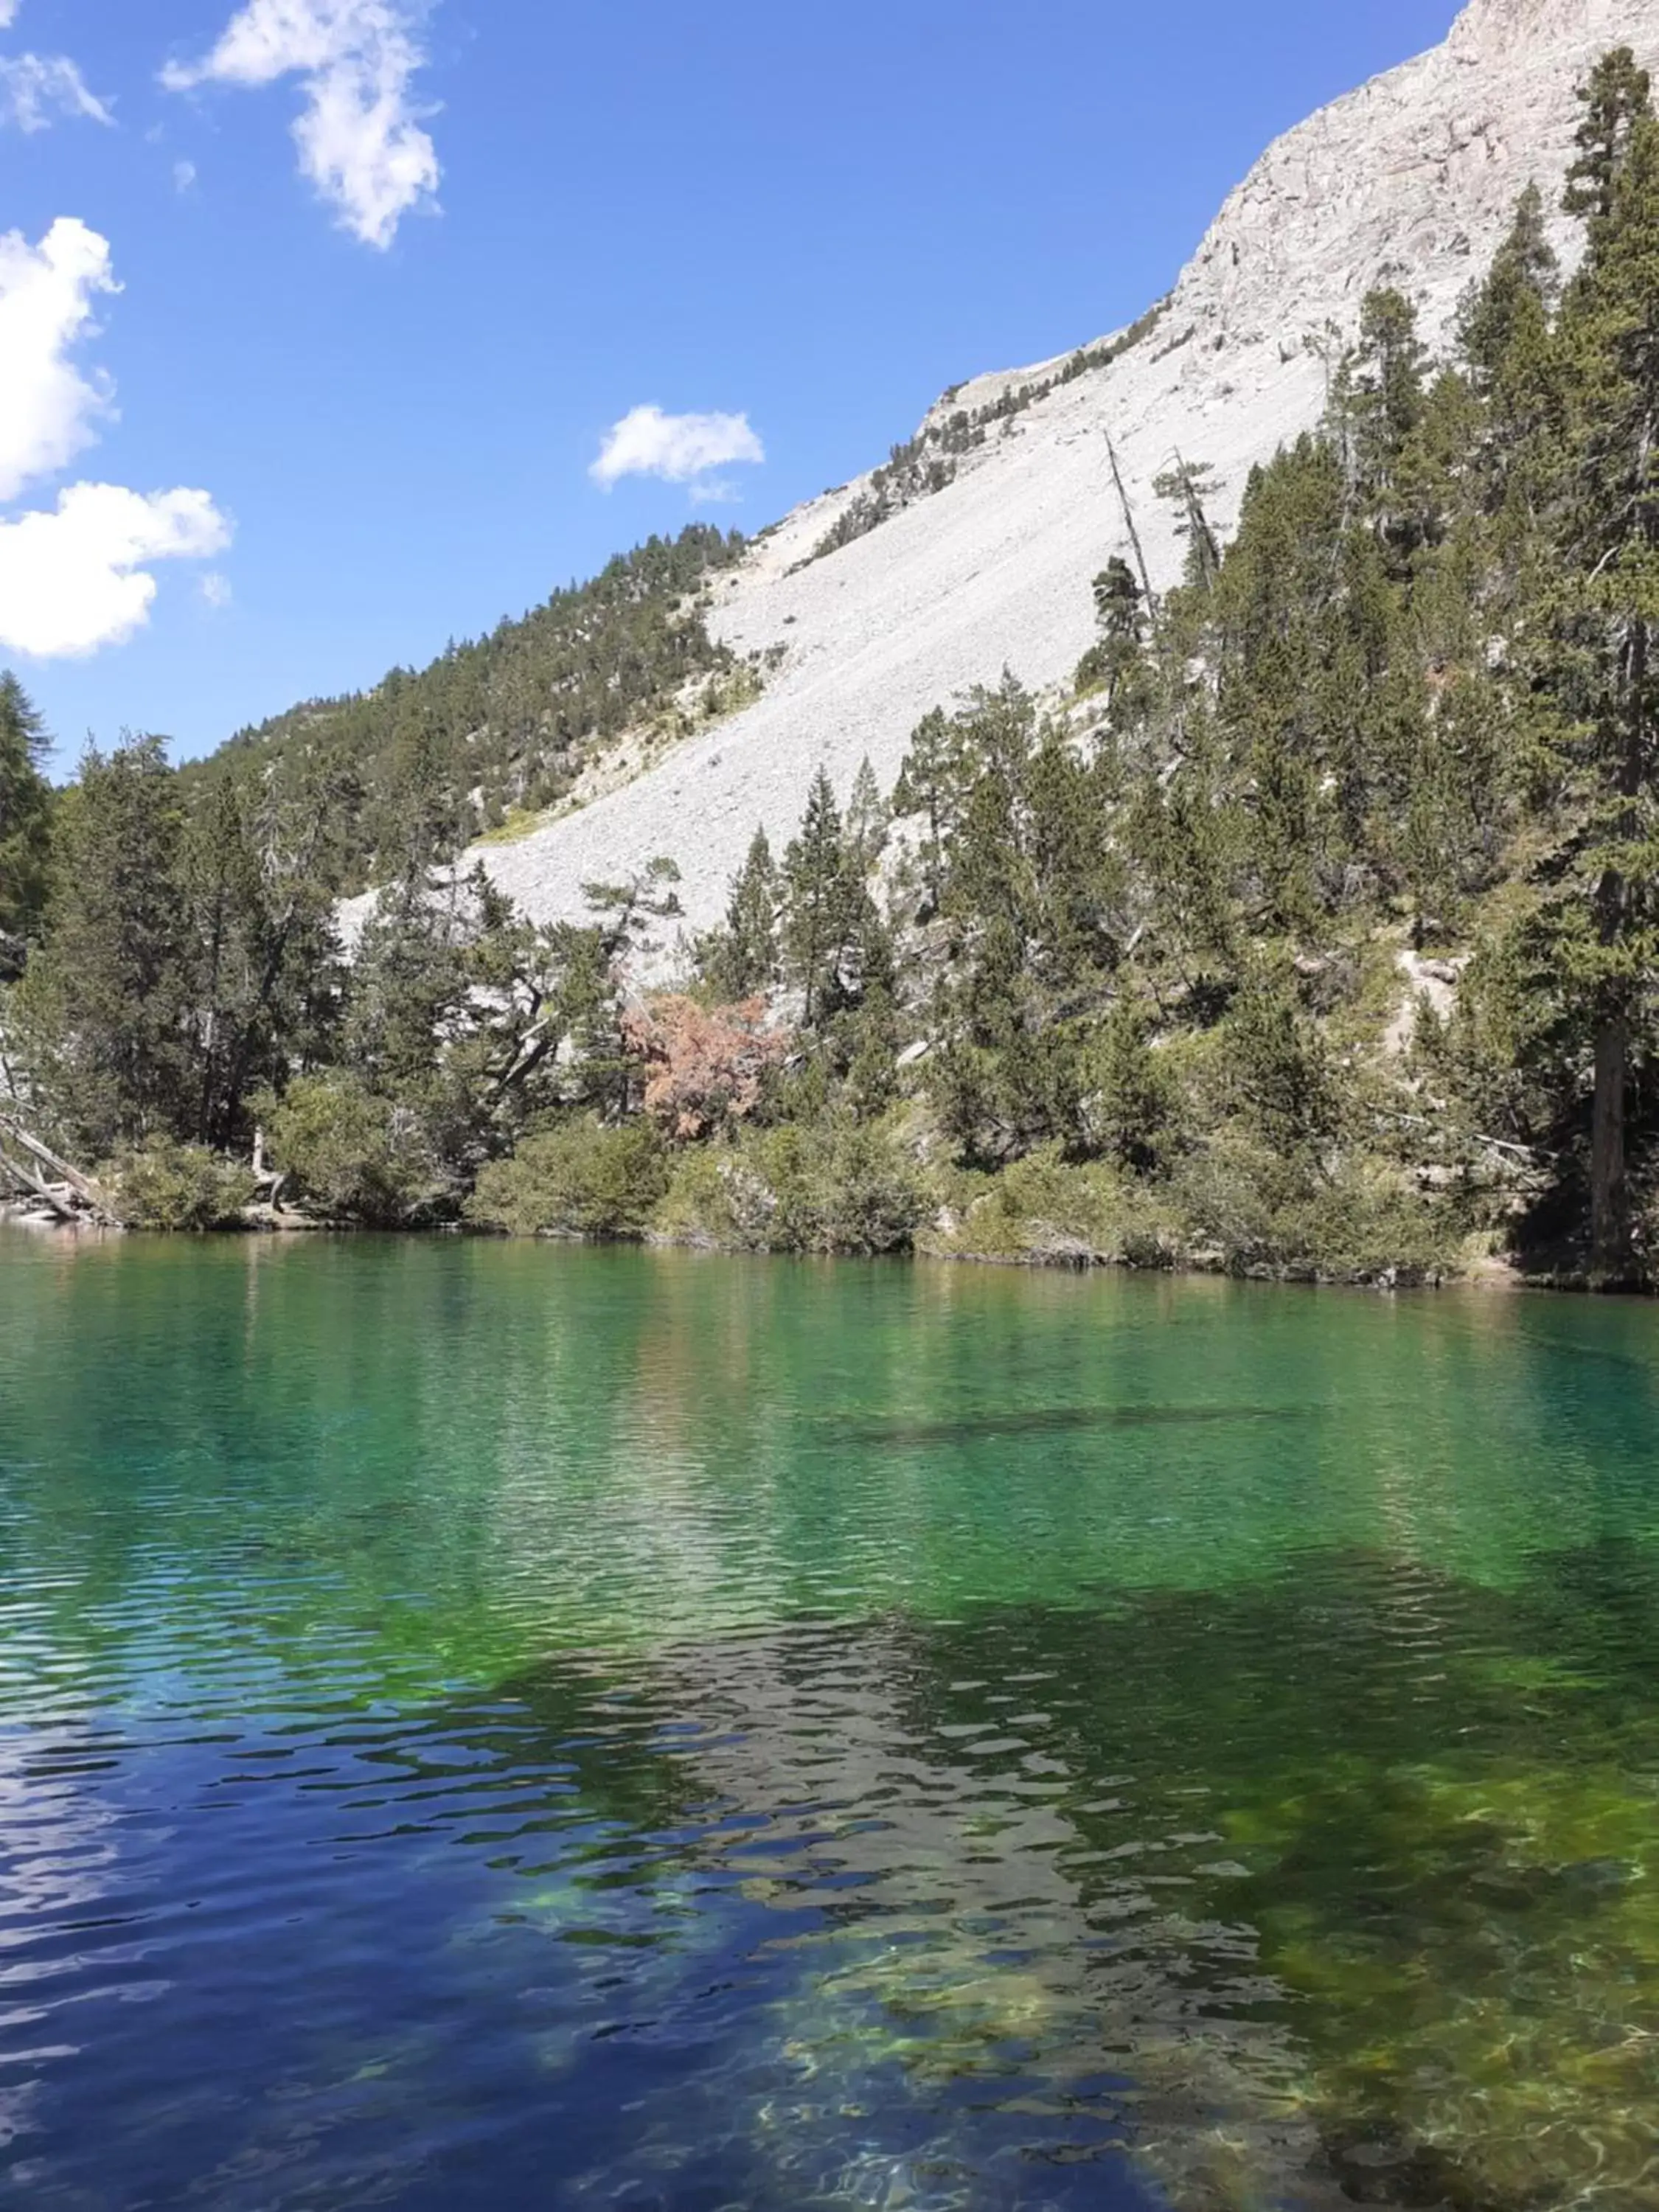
x=1078, y=875
x=419, y=815
x=1377, y=405
x=1278, y=1063
x=931, y=781
x=1120, y=617
x=871, y=1039
x=225, y=906
x=1511, y=307
x=989, y=876
x=1294, y=607
x=1616, y=97
x=1119, y=601
x=105, y=1004
x=868, y=816
x=1607, y=618
x=1030, y=894
x=297, y=822
x=1130, y=1100
x=1506, y=341
x=25, y=823
x=821, y=906
x=743, y=958
x=1451, y=810
x=261, y=868
x=410, y=989
x=1185, y=485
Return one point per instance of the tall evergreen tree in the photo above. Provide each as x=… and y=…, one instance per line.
x=1378, y=405
x=1510, y=306
x=742, y=958
x=107, y=1003
x=1617, y=95
x=1185, y=485
x=868, y=816
x=1607, y=616
x=822, y=905
x=1120, y=617
x=225, y=910
x=933, y=780
x=25, y=822
x=1507, y=343
x=261, y=873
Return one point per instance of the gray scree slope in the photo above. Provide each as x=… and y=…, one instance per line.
x=1410, y=181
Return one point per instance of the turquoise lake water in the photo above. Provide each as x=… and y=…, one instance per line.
x=490, y=1726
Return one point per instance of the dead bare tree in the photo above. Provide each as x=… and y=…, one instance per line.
x=33, y=1166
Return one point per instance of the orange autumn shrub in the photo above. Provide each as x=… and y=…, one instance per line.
x=703, y=1065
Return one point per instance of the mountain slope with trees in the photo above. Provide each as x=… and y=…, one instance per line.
x=505, y=723
x=1407, y=182
x=1311, y=928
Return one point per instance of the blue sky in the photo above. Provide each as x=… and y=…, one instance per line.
x=812, y=216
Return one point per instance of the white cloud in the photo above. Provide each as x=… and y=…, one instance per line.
x=359, y=135
x=681, y=448
x=48, y=409
x=8, y=14
x=184, y=176
x=74, y=579
x=33, y=88
x=215, y=589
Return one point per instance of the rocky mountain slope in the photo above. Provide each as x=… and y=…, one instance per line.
x=1409, y=180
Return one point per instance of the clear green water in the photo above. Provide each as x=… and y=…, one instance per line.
x=486, y=1726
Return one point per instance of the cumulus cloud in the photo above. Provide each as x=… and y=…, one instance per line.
x=359, y=134
x=72, y=578
x=8, y=14
x=680, y=448
x=48, y=293
x=184, y=176
x=33, y=88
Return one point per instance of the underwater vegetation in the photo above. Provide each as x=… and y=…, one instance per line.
x=714, y=1735
x=1384, y=1929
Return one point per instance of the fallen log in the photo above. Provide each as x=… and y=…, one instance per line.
x=22, y=1178
x=93, y=1200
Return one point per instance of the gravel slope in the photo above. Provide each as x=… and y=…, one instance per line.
x=1410, y=181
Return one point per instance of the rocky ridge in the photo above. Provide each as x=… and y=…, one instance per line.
x=1409, y=180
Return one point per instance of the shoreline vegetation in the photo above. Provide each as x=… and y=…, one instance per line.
x=1312, y=934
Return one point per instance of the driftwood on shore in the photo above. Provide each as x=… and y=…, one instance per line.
x=32, y=1167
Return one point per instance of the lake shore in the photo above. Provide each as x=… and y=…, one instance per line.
x=1493, y=1272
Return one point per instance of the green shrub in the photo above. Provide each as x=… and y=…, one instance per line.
x=349, y=1154
x=1261, y=1211
x=831, y=1186
x=165, y=1185
x=579, y=1180
x=841, y=1186
x=717, y=1198
x=1044, y=1210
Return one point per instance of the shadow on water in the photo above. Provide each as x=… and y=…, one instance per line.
x=1342, y=1888
x=1051, y=1420
x=1339, y=1885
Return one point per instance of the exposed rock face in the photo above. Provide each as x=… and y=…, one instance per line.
x=1410, y=181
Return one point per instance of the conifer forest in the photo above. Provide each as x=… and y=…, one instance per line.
x=1312, y=931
